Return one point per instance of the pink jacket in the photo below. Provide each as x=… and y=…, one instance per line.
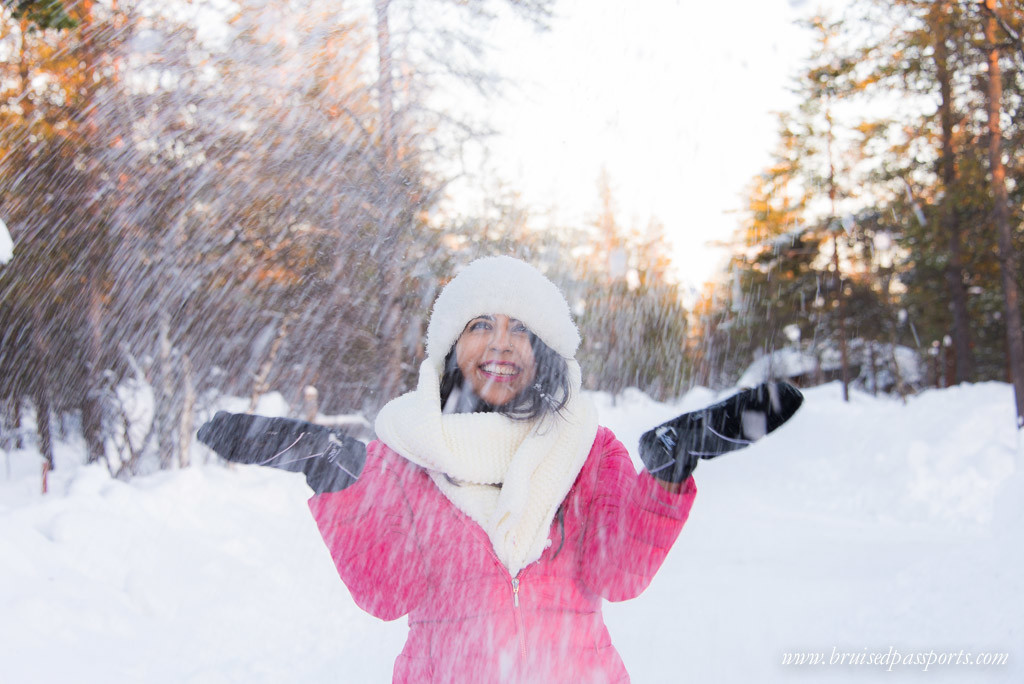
x=403, y=548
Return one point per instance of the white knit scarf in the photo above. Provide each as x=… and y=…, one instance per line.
x=508, y=476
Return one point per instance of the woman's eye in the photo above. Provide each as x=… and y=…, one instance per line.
x=520, y=328
x=480, y=325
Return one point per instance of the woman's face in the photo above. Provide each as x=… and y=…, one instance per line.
x=496, y=358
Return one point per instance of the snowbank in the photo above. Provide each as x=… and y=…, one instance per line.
x=893, y=365
x=862, y=527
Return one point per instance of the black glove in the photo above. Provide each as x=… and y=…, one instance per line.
x=331, y=461
x=671, y=450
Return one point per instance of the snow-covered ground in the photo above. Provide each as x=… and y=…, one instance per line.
x=869, y=528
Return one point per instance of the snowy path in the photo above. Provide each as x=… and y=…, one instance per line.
x=863, y=527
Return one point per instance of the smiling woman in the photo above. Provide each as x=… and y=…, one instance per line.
x=492, y=510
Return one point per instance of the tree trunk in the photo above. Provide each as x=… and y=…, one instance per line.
x=873, y=366
x=393, y=256
x=950, y=357
x=19, y=442
x=26, y=102
x=261, y=383
x=901, y=387
x=843, y=358
x=92, y=401
x=164, y=390
x=385, y=84
x=45, y=436
x=92, y=406
x=188, y=404
x=950, y=221
x=1001, y=217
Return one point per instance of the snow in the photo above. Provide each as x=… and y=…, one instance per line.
x=781, y=363
x=6, y=244
x=863, y=527
x=790, y=363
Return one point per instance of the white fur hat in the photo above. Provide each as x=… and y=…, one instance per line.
x=501, y=285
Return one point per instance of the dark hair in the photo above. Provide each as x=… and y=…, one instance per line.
x=549, y=392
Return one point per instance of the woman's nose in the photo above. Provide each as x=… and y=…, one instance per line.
x=501, y=339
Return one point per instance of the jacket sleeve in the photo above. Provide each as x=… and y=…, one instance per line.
x=631, y=523
x=369, y=529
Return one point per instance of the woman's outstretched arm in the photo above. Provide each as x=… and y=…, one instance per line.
x=331, y=461
x=673, y=449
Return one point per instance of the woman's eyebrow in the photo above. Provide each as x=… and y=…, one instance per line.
x=485, y=317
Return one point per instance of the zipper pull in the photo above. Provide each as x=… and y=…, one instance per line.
x=515, y=591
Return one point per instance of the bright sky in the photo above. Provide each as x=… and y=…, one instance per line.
x=673, y=98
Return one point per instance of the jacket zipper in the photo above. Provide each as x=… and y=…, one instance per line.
x=516, y=610
x=520, y=630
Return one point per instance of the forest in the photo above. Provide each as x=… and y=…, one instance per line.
x=229, y=198
x=891, y=215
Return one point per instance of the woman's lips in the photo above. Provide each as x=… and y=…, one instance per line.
x=499, y=371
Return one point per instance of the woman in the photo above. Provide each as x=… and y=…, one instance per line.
x=492, y=509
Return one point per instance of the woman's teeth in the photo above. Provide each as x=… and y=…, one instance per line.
x=498, y=369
